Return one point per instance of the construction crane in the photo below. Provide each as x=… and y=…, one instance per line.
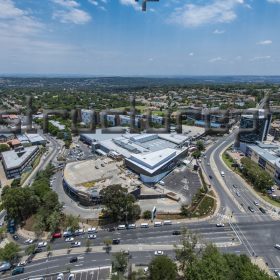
x=144, y=3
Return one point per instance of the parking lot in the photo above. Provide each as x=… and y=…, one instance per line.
x=98, y=273
x=184, y=182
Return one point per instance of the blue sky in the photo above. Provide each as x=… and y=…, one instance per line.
x=114, y=37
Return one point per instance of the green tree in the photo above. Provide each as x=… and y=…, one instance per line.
x=10, y=252
x=196, y=154
x=162, y=268
x=120, y=262
x=187, y=254
x=88, y=246
x=30, y=249
x=20, y=203
x=147, y=214
x=16, y=183
x=107, y=242
x=54, y=221
x=200, y=145
x=119, y=204
x=39, y=226
x=4, y=148
x=72, y=222
x=212, y=265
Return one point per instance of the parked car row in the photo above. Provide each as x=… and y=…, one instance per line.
x=143, y=225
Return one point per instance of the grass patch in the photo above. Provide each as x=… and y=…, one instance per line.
x=269, y=199
x=169, y=216
x=88, y=185
x=206, y=207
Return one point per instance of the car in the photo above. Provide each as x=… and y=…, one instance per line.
x=238, y=194
x=67, y=234
x=256, y=203
x=28, y=241
x=42, y=244
x=60, y=276
x=57, y=235
x=91, y=236
x=251, y=209
x=116, y=241
x=121, y=227
x=131, y=226
x=75, y=244
x=234, y=186
x=79, y=231
x=73, y=259
x=69, y=239
x=15, y=237
x=210, y=177
x=91, y=230
x=22, y=263
x=277, y=273
x=277, y=246
x=71, y=276
x=38, y=250
x=4, y=266
x=158, y=253
x=208, y=163
x=18, y=270
x=220, y=225
x=262, y=210
x=176, y=232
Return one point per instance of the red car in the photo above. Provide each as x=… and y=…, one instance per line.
x=57, y=235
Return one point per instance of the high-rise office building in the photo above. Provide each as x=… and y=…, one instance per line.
x=254, y=126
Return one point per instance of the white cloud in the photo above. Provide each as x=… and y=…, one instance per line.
x=218, y=11
x=256, y=58
x=67, y=3
x=218, y=32
x=273, y=1
x=265, y=42
x=132, y=3
x=215, y=59
x=191, y=54
x=70, y=12
x=15, y=22
x=93, y=2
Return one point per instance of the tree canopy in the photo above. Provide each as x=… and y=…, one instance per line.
x=162, y=268
x=119, y=204
x=260, y=179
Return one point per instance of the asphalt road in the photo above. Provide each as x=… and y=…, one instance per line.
x=254, y=234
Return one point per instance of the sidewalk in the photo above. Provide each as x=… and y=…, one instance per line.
x=124, y=247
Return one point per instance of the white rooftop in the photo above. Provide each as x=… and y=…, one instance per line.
x=12, y=159
x=154, y=159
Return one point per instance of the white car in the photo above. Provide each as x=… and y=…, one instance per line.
x=256, y=203
x=79, y=231
x=91, y=236
x=42, y=244
x=60, y=276
x=220, y=225
x=76, y=244
x=92, y=230
x=277, y=246
x=29, y=241
x=69, y=239
x=71, y=276
x=158, y=253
